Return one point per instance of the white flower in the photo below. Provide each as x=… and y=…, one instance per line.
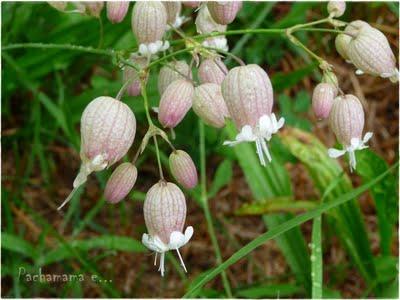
x=355, y=144
x=267, y=126
x=176, y=240
x=153, y=48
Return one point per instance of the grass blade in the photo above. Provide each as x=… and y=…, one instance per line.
x=316, y=260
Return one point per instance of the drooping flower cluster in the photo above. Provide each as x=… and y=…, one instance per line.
x=243, y=94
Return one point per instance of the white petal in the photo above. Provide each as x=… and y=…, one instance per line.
x=231, y=143
x=166, y=46
x=143, y=49
x=281, y=122
x=153, y=48
x=264, y=125
x=367, y=137
x=176, y=240
x=188, y=233
x=246, y=134
x=158, y=44
x=359, y=72
x=260, y=152
x=334, y=153
x=355, y=143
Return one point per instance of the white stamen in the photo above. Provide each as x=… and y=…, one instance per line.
x=180, y=258
x=155, y=259
x=162, y=263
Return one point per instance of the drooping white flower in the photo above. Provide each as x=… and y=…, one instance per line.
x=165, y=213
x=247, y=92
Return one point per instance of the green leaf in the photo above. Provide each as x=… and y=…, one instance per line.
x=274, y=205
x=269, y=291
x=222, y=177
x=347, y=219
x=16, y=244
x=384, y=194
x=285, y=80
x=117, y=243
x=284, y=227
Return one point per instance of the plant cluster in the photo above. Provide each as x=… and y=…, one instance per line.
x=243, y=94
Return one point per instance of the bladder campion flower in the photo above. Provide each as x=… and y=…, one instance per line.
x=183, y=169
x=108, y=128
x=247, y=92
x=164, y=214
x=346, y=120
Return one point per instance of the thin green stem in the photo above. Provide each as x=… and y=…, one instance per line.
x=108, y=52
x=170, y=56
x=145, y=101
x=206, y=209
x=158, y=158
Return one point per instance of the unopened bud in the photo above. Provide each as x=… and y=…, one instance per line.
x=149, y=21
x=322, y=99
x=129, y=73
x=117, y=10
x=224, y=12
x=171, y=72
x=212, y=71
x=369, y=50
x=183, y=169
x=336, y=8
x=209, y=104
x=342, y=43
x=175, y=103
x=205, y=23
x=120, y=182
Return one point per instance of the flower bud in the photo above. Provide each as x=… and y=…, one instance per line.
x=224, y=12
x=247, y=92
x=120, y=182
x=212, y=71
x=171, y=72
x=346, y=120
x=164, y=214
x=116, y=10
x=205, y=23
x=209, y=104
x=342, y=43
x=94, y=8
x=183, y=169
x=173, y=10
x=369, y=50
x=149, y=21
x=192, y=4
x=322, y=99
x=175, y=103
x=108, y=128
x=336, y=8
x=131, y=74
